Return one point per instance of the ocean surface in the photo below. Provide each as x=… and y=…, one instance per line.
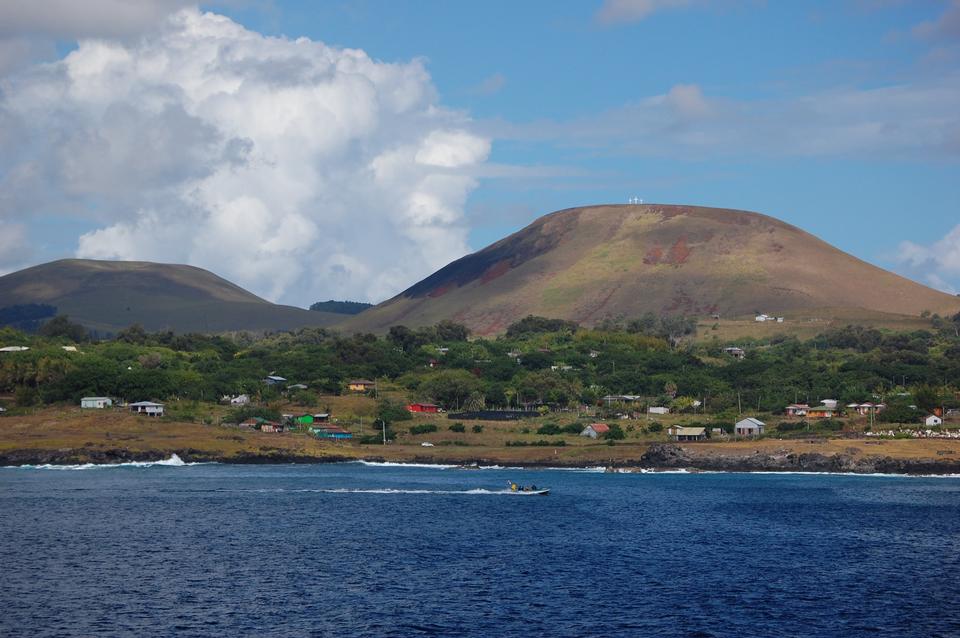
x=367, y=550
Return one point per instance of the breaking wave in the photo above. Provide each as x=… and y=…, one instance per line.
x=173, y=461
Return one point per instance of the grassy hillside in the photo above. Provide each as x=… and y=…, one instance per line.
x=110, y=295
x=587, y=264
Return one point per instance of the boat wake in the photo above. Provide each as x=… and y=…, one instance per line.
x=173, y=461
x=391, y=490
x=436, y=466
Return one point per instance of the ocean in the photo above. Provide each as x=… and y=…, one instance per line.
x=382, y=550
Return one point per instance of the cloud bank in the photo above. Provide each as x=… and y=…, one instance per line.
x=296, y=169
x=900, y=121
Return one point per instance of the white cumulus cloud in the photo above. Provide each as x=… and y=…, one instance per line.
x=938, y=264
x=297, y=169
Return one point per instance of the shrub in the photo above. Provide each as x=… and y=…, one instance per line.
x=537, y=443
x=457, y=427
x=572, y=428
x=615, y=433
x=549, y=428
x=791, y=426
x=477, y=429
x=655, y=427
x=423, y=428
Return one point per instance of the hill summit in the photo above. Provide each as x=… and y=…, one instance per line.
x=585, y=264
x=110, y=295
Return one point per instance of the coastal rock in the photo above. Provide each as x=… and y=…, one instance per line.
x=672, y=456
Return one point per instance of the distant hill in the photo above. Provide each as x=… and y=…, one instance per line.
x=584, y=264
x=341, y=307
x=109, y=295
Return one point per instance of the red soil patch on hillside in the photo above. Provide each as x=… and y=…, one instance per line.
x=679, y=252
x=497, y=270
x=440, y=291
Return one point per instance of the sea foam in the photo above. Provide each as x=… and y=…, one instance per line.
x=173, y=461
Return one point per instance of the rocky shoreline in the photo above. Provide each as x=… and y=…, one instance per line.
x=659, y=456
x=666, y=456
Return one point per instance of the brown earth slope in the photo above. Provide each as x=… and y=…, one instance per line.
x=585, y=264
x=110, y=295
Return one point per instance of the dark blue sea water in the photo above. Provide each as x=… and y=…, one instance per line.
x=355, y=550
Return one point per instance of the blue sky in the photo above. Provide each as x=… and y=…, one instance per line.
x=841, y=117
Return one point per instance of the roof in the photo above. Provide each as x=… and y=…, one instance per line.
x=685, y=431
x=96, y=399
x=274, y=377
x=145, y=404
x=599, y=428
x=363, y=381
x=751, y=421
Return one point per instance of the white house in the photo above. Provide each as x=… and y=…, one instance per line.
x=735, y=352
x=274, y=380
x=14, y=349
x=98, y=403
x=147, y=407
x=658, y=410
x=241, y=399
x=933, y=419
x=749, y=427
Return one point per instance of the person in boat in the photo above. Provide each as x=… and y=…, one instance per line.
x=514, y=487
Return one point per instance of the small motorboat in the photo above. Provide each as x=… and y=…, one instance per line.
x=530, y=490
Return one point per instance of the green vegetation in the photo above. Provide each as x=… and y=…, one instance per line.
x=537, y=368
x=424, y=428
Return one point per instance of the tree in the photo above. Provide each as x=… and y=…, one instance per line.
x=132, y=334
x=532, y=324
x=615, y=433
x=61, y=326
x=926, y=398
x=450, y=388
x=451, y=331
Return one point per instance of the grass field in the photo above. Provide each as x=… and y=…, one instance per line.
x=89, y=433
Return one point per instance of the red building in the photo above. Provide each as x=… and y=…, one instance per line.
x=423, y=407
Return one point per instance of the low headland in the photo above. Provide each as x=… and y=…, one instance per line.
x=69, y=436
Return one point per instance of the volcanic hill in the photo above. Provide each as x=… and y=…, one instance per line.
x=110, y=295
x=585, y=264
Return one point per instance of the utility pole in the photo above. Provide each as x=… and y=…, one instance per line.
x=739, y=406
x=384, y=423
